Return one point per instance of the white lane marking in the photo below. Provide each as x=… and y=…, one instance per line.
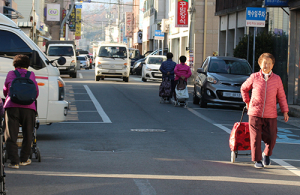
x=287, y=166
x=79, y=100
x=74, y=93
x=291, y=160
x=223, y=128
x=85, y=122
x=278, y=161
x=144, y=187
x=137, y=79
x=80, y=76
x=99, y=108
x=82, y=111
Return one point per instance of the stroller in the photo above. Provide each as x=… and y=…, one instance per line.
x=34, y=148
x=182, y=94
x=165, y=90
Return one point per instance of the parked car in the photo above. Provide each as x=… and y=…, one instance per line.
x=134, y=55
x=137, y=66
x=84, y=61
x=159, y=53
x=219, y=81
x=150, y=70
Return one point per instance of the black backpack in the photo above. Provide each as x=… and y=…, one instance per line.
x=22, y=90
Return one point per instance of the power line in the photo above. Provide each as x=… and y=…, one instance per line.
x=113, y=3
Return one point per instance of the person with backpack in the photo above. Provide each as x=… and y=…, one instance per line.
x=167, y=70
x=182, y=71
x=21, y=90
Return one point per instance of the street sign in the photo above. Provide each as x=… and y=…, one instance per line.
x=78, y=6
x=255, y=17
x=159, y=35
x=276, y=3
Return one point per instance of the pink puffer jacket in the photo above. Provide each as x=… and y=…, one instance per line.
x=265, y=95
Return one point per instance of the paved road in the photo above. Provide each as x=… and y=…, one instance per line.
x=119, y=139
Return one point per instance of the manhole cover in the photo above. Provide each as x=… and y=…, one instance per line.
x=148, y=130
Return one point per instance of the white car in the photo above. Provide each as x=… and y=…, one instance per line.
x=83, y=60
x=151, y=67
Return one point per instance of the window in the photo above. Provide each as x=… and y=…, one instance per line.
x=115, y=52
x=204, y=66
x=11, y=43
x=230, y=67
x=60, y=51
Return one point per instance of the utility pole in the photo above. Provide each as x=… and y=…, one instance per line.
x=33, y=22
x=191, y=11
x=65, y=19
x=119, y=26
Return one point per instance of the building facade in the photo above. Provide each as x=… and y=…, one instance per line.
x=294, y=53
x=154, y=12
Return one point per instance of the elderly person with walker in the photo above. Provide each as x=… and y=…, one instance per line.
x=267, y=89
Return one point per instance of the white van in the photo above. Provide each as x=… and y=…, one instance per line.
x=112, y=61
x=51, y=104
x=55, y=49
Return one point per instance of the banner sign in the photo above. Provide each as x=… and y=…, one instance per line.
x=255, y=17
x=181, y=13
x=159, y=35
x=72, y=20
x=276, y=3
x=78, y=24
x=139, y=37
x=53, y=12
x=129, y=22
x=64, y=13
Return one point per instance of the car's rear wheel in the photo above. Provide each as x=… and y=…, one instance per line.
x=195, y=98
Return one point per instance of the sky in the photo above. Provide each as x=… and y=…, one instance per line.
x=94, y=6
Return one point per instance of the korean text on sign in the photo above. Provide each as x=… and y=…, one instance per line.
x=182, y=13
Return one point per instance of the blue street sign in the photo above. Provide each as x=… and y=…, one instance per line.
x=159, y=35
x=255, y=17
x=78, y=6
x=255, y=13
x=276, y=3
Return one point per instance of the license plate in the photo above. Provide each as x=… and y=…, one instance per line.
x=157, y=74
x=229, y=94
x=61, y=67
x=111, y=71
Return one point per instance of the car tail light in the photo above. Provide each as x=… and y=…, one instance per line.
x=61, y=89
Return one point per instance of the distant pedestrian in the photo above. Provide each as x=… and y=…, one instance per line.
x=18, y=114
x=182, y=71
x=267, y=90
x=167, y=69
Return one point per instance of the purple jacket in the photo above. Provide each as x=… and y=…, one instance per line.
x=9, y=78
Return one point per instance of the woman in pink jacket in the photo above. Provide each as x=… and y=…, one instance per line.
x=16, y=114
x=267, y=89
x=182, y=71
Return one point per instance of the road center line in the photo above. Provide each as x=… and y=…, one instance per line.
x=99, y=108
x=278, y=161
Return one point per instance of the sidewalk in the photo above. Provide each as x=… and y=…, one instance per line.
x=294, y=113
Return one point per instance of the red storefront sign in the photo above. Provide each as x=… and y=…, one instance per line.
x=182, y=13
